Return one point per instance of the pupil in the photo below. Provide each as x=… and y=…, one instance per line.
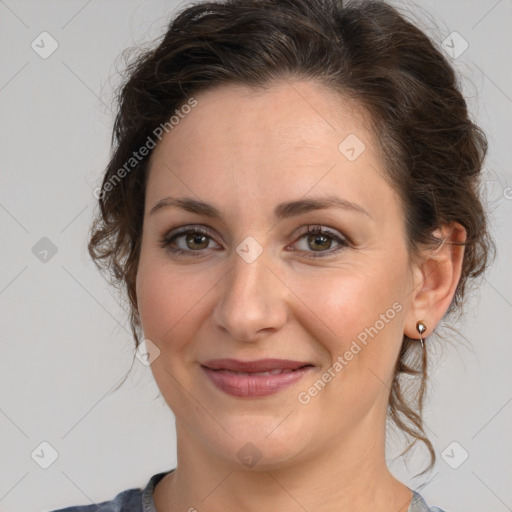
x=318, y=238
x=196, y=238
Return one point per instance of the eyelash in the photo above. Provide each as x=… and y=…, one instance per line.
x=170, y=237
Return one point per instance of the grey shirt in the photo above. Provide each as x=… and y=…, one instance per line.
x=141, y=500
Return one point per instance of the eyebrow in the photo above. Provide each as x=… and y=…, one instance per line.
x=282, y=211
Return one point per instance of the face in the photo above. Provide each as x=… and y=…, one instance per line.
x=315, y=296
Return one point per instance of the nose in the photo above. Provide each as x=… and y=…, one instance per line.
x=253, y=299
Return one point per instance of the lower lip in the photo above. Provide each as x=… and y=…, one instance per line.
x=253, y=386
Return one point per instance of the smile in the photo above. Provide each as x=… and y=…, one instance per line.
x=253, y=379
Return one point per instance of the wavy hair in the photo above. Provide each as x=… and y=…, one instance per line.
x=366, y=51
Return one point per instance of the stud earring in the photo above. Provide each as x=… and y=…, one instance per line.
x=421, y=328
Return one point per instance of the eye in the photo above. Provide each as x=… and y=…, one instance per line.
x=320, y=240
x=193, y=240
x=187, y=240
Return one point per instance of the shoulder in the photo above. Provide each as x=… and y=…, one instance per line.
x=130, y=500
x=418, y=504
x=126, y=501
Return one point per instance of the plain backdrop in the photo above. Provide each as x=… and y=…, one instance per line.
x=65, y=338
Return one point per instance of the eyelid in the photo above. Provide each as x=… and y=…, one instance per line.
x=321, y=228
x=183, y=230
x=309, y=229
x=342, y=240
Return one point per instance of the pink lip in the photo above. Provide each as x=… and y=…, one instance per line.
x=225, y=375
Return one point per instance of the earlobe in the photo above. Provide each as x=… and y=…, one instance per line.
x=437, y=276
x=421, y=328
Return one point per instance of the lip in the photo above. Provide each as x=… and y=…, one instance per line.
x=246, y=378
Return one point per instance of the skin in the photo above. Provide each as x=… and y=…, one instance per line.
x=246, y=151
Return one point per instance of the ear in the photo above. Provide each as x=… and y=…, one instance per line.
x=435, y=279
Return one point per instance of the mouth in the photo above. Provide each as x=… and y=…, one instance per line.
x=252, y=379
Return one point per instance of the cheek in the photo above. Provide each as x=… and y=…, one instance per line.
x=168, y=306
x=364, y=312
x=172, y=302
x=358, y=314
x=348, y=301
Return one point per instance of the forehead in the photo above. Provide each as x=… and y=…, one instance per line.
x=295, y=115
x=274, y=143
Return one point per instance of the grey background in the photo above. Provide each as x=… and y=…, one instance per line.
x=65, y=339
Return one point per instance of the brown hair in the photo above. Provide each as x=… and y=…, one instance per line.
x=366, y=51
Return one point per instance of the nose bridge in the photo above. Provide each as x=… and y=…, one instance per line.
x=250, y=299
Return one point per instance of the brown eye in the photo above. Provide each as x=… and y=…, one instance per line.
x=319, y=240
x=187, y=241
x=196, y=241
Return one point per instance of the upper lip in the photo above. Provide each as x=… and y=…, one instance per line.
x=259, y=365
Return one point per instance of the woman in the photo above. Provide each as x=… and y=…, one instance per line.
x=292, y=207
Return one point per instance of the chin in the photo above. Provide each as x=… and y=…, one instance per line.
x=262, y=445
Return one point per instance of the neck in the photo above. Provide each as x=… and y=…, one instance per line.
x=353, y=477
